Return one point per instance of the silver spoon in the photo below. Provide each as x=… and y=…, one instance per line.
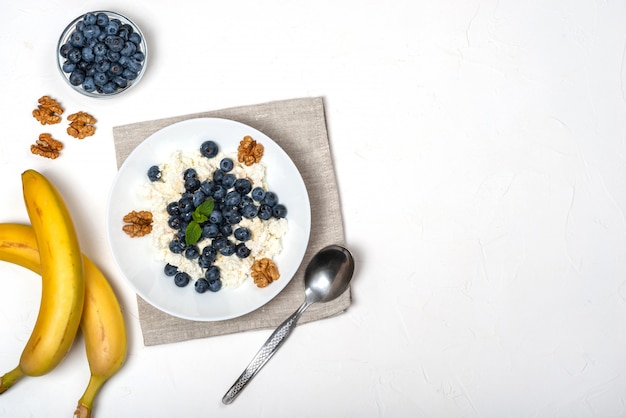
x=326, y=277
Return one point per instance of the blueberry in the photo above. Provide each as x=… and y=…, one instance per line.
x=270, y=199
x=192, y=184
x=77, y=38
x=134, y=65
x=113, y=56
x=204, y=261
x=249, y=211
x=115, y=43
x=91, y=31
x=181, y=279
x=229, y=249
x=219, y=242
x=189, y=173
x=228, y=180
x=185, y=205
x=172, y=208
x=135, y=38
x=215, y=285
x=112, y=27
x=100, y=49
x=175, y=222
x=170, y=270
x=209, y=149
x=109, y=87
x=265, y=212
x=177, y=246
x=89, y=18
x=226, y=165
x=279, y=211
x=207, y=187
x=216, y=217
x=218, y=176
x=187, y=216
x=89, y=84
x=74, y=55
x=198, y=198
x=232, y=198
x=209, y=252
x=102, y=64
x=69, y=66
x=192, y=252
x=139, y=56
x=242, y=251
x=129, y=49
x=232, y=216
x=226, y=229
x=258, y=194
x=212, y=273
x=87, y=54
x=242, y=233
x=102, y=19
x=120, y=81
x=202, y=285
x=154, y=173
x=243, y=186
x=100, y=79
x=64, y=49
x=210, y=231
x=129, y=74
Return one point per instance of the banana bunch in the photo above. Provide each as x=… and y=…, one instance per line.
x=74, y=293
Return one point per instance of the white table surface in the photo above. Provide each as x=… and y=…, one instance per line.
x=480, y=150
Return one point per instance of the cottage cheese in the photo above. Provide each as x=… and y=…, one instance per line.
x=266, y=240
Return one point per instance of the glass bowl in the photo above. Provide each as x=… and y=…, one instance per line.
x=102, y=54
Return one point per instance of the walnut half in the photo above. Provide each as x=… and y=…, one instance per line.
x=138, y=223
x=264, y=272
x=46, y=146
x=249, y=151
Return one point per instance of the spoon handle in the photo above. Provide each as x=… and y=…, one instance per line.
x=268, y=349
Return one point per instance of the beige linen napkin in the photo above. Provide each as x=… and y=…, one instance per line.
x=299, y=127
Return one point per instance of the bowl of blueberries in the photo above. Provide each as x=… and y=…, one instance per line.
x=101, y=54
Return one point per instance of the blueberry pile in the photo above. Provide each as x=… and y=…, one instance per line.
x=102, y=55
x=233, y=199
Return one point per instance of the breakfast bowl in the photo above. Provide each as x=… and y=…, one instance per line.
x=101, y=54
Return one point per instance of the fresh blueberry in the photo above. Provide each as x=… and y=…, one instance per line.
x=232, y=216
x=242, y=251
x=258, y=194
x=129, y=49
x=204, y=261
x=89, y=84
x=270, y=199
x=216, y=217
x=100, y=49
x=210, y=231
x=89, y=18
x=102, y=64
x=172, y=208
x=109, y=87
x=219, y=242
x=209, y=149
x=87, y=54
x=232, y=198
x=100, y=78
x=265, y=212
x=91, y=31
x=226, y=165
x=243, y=186
x=212, y=273
x=207, y=187
x=154, y=173
x=139, y=56
x=192, y=184
x=218, y=176
x=69, y=66
x=279, y=211
x=181, y=279
x=185, y=204
x=209, y=252
x=242, y=233
x=135, y=38
x=170, y=270
x=120, y=81
x=249, y=211
x=226, y=229
x=201, y=285
x=129, y=74
x=113, y=56
x=177, y=246
x=228, y=180
x=74, y=55
x=189, y=173
x=112, y=27
x=198, y=198
x=229, y=249
x=215, y=285
x=192, y=252
x=102, y=19
x=64, y=49
x=175, y=222
x=115, y=43
x=77, y=39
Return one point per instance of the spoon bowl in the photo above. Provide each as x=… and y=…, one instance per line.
x=326, y=277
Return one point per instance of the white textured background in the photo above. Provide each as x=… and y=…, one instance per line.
x=480, y=152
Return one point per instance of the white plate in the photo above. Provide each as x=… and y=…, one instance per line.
x=137, y=258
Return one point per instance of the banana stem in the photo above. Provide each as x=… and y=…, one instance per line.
x=85, y=403
x=10, y=378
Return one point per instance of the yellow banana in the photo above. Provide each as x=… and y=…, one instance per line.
x=102, y=322
x=63, y=288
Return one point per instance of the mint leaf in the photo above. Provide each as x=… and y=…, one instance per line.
x=206, y=207
x=193, y=232
x=199, y=217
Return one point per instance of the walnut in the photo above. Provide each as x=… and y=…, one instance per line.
x=81, y=125
x=138, y=224
x=48, y=112
x=264, y=272
x=46, y=146
x=249, y=151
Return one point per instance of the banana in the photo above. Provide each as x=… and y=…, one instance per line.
x=102, y=323
x=63, y=288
